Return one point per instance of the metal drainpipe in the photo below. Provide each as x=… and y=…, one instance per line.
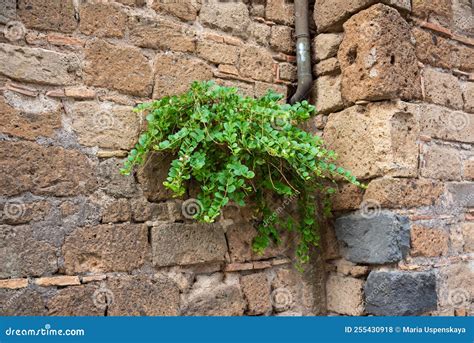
x=303, y=55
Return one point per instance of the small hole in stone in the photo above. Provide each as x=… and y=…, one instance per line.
x=352, y=55
x=392, y=59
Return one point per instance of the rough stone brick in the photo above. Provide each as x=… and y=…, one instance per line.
x=468, y=170
x=22, y=255
x=135, y=3
x=55, y=15
x=183, y=244
x=468, y=95
x=256, y=289
x=463, y=18
x=162, y=34
x=443, y=89
x=105, y=125
x=461, y=193
x=347, y=197
x=288, y=72
x=326, y=45
x=21, y=302
x=326, y=93
x=37, y=65
x=14, y=283
x=58, y=281
x=281, y=39
x=141, y=295
x=230, y=17
x=435, y=50
x=348, y=268
x=377, y=57
x=379, y=139
x=27, y=125
x=441, y=162
x=112, y=182
x=382, y=237
x=468, y=234
x=104, y=248
x=117, y=211
x=213, y=296
x=400, y=293
x=438, y=11
x=7, y=11
x=327, y=67
x=402, y=193
x=73, y=173
x=16, y=212
x=455, y=287
x=183, y=9
x=217, y=52
x=152, y=175
x=280, y=11
x=465, y=58
x=262, y=88
x=329, y=15
x=428, y=242
x=344, y=295
x=174, y=74
x=256, y=63
x=260, y=33
x=102, y=20
x=76, y=301
x=122, y=68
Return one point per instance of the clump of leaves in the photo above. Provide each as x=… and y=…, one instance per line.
x=238, y=149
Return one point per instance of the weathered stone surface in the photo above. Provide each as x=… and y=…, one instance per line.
x=245, y=89
x=256, y=63
x=441, y=162
x=281, y=39
x=27, y=125
x=162, y=34
x=76, y=301
x=468, y=234
x=183, y=244
x=256, y=289
x=7, y=11
x=438, y=11
x=402, y=193
x=213, y=296
x=44, y=170
x=344, y=295
x=112, y=182
x=141, y=295
x=152, y=175
x=14, y=283
x=260, y=33
x=217, y=52
x=37, y=65
x=21, y=302
x=55, y=15
x=379, y=139
x=400, y=293
x=183, y=9
x=468, y=170
x=123, y=68
x=137, y=3
x=465, y=58
x=382, y=237
x=428, y=242
x=104, y=248
x=327, y=67
x=22, y=255
x=326, y=45
x=347, y=197
x=228, y=16
x=174, y=74
x=435, y=50
x=463, y=18
x=105, y=125
x=455, y=288
x=262, y=88
x=102, y=20
x=117, y=211
x=287, y=72
x=377, y=57
x=468, y=95
x=461, y=193
x=326, y=93
x=280, y=11
x=348, y=268
x=443, y=89
x=16, y=212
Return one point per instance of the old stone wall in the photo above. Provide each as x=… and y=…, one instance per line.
x=395, y=87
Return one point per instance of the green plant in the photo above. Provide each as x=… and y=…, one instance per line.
x=239, y=149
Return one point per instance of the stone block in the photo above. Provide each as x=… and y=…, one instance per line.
x=105, y=124
x=152, y=175
x=175, y=73
x=461, y=193
x=281, y=39
x=468, y=234
x=232, y=17
x=217, y=52
x=377, y=57
x=347, y=197
x=378, y=238
x=106, y=248
x=326, y=93
x=256, y=63
x=73, y=172
x=327, y=67
x=280, y=11
x=16, y=212
x=123, y=68
x=463, y=18
x=58, y=281
x=54, y=15
x=326, y=45
x=468, y=96
x=260, y=33
x=400, y=293
x=21, y=302
x=443, y=89
x=256, y=289
x=455, y=287
x=441, y=162
x=288, y=72
x=428, y=242
x=117, y=211
x=134, y=3
x=112, y=182
x=375, y=140
x=14, y=283
x=183, y=9
x=76, y=301
x=403, y=193
x=102, y=20
x=38, y=65
x=468, y=170
x=437, y=11
x=344, y=295
x=185, y=244
x=142, y=295
x=435, y=50
x=22, y=255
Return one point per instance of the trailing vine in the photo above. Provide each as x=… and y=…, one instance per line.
x=239, y=149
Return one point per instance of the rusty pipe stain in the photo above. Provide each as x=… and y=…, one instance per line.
x=303, y=54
